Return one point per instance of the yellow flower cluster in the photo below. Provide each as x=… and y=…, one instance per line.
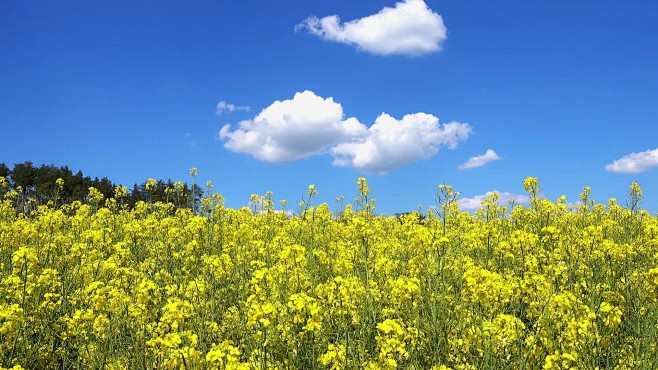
x=549, y=286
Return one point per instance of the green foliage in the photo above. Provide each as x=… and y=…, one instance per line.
x=38, y=186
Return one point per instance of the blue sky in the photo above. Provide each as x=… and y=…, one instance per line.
x=403, y=93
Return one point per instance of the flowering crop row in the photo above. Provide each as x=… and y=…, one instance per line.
x=548, y=286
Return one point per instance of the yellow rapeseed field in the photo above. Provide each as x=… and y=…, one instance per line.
x=543, y=286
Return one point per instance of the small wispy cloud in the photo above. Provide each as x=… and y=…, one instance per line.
x=223, y=106
x=635, y=162
x=410, y=28
x=475, y=203
x=480, y=160
x=190, y=139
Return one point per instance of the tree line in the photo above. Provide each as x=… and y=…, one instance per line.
x=60, y=185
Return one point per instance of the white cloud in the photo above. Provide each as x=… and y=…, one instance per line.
x=475, y=203
x=308, y=124
x=391, y=143
x=293, y=129
x=190, y=139
x=635, y=162
x=223, y=106
x=480, y=160
x=410, y=28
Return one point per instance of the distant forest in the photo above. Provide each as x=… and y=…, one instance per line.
x=40, y=184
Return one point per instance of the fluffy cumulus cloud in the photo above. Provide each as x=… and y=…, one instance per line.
x=293, y=129
x=223, y=106
x=308, y=124
x=475, y=203
x=480, y=160
x=635, y=162
x=409, y=28
x=391, y=143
